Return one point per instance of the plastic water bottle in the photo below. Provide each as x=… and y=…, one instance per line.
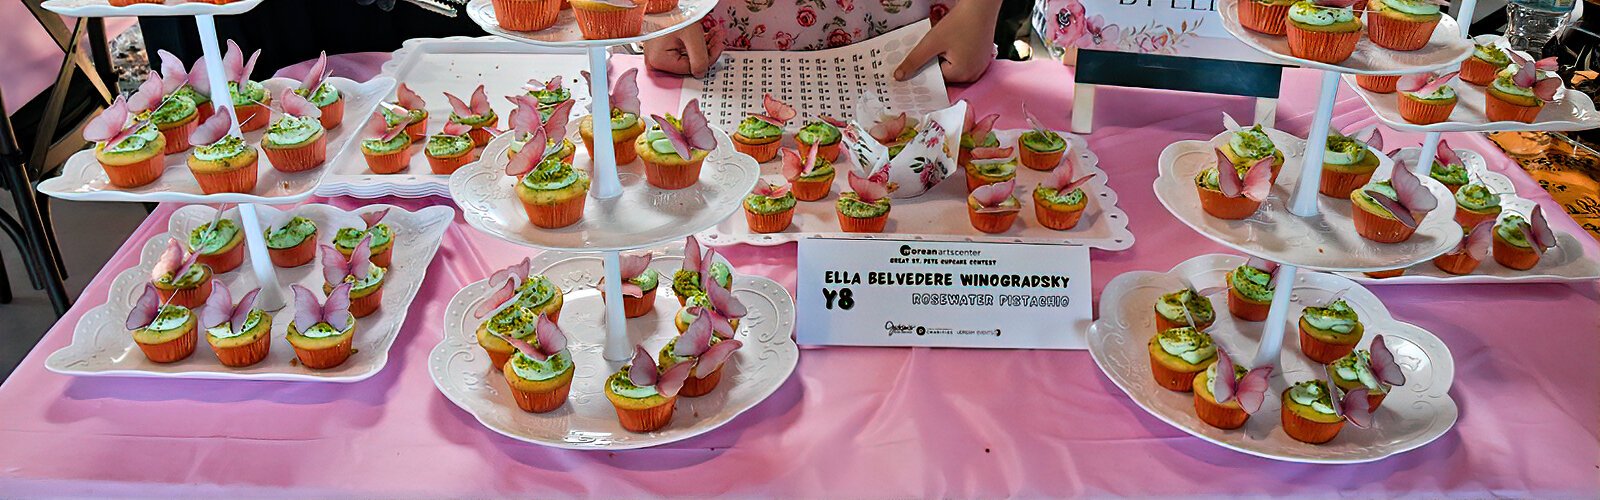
x=1532, y=23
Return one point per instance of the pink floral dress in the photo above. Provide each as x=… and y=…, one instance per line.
x=812, y=24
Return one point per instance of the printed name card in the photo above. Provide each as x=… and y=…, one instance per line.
x=943, y=294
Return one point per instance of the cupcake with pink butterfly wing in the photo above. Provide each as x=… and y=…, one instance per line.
x=1470, y=251
x=1231, y=190
x=894, y=132
x=1329, y=331
x=810, y=176
x=1225, y=394
x=240, y=334
x=639, y=284
x=1059, y=201
x=823, y=135
x=408, y=110
x=528, y=115
x=989, y=166
x=322, y=333
x=760, y=134
x=716, y=301
x=221, y=161
x=1314, y=411
x=552, y=192
x=132, y=151
x=1389, y=211
x=992, y=208
x=645, y=395
x=1041, y=148
x=250, y=98
x=1374, y=370
x=165, y=332
x=386, y=146
x=1250, y=289
x=539, y=374
x=1426, y=98
x=700, y=348
x=478, y=115
x=380, y=237
x=179, y=278
x=865, y=208
x=675, y=148
x=364, y=278
x=976, y=133
x=770, y=207
x=1520, y=241
x=626, y=125
x=296, y=141
x=450, y=149
x=1520, y=90
x=1350, y=161
x=315, y=88
x=513, y=309
x=218, y=243
x=192, y=83
x=174, y=115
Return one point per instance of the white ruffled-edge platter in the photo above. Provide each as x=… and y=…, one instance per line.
x=103, y=8
x=642, y=216
x=1568, y=262
x=1446, y=48
x=1412, y=415
x=588, y=421
x=940, y=214
x=565, y=32
x=432, y=66
x=102, y=346
x=1326, y=242
x=1570, y=110
x=83, y=179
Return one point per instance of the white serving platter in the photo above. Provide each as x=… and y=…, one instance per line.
x=1445, y=49
x=588, y=421
x=83, y=179
x=941, y=214
x=1326, y=242
x=1567, y=262
x=102, y=346
x=642, y=216
x=565, y=32
x=432, y=66
x=103, y=8
x=1412, y=415
x=1570, y=110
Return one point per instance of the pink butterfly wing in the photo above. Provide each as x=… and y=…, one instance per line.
x=1228, y=180
x=714, y=357
x=495, y=299
x=1437, y=82
x=457, y=106
x=1413, y=82
x=241, y=311
x=722, y=299
x=294, y=104
x=1478, y=242
x=171, y=257
x=404, y=96
x=980, y=129
x=696, y=340
x=1395, y=207
x=172, y=69
x=867, y=190
x=374, y=217
x=1355, y=408
x=361, y=258
x=635, y=264
x=551, y=339
x=625, y=92
x=696, y=128
x=249, y=67
x=307, y=310
x=480, y=102
x=199, y=78
x=556, y=126
x=994, y=153
x=887, y=130
x=643, y=372
x=144, y=309
x=148, y=97
x=107, y=124
x=337, y=310
x=680, y=143
x=777, y=110
x=990, y=195
x=1034, y=121
x=1258, y=180
x=218, y=307
x=314, y=75
x=691, y=254
x=523, y=347
x=1384, y=365
x=793, y=165
x=1252, y=389
x=1264, y=265
x=1223, y=384
x=526, y=115
x=334, y=265
x=212, y=130
x=1541, y=233
x=1546, y=89
x=1547, y=64
x=1079, y=182
x=1446, y=155
x=672, y=381
x=233, y=63
x=1412, y=194
x=529, y=157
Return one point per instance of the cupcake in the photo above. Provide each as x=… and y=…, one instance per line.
x=1448, y=168
x=1234, y=191
x=179, y=279
x=478, y=116
x=408, y=110
x=976, y=133
x=1186, y=307
x=659, y=6
x=990, y=166
x=526, y=15
x=513, y=311
x=1382, y=84
x=1329, y=332
x=365, y=278
x=1485, y=63
x=240, y=334
x=1386, y=273
x=165, y=332
x=626, y=127
x=1250, y=289
x=1264, y=16
x=759, y=135
x=315, y=88
x=1177, y=354
x=1389, y=211
x=1375, y=370
x=386, y=146
x=1520, y=90
x=450, y=149
x=992, y=208
x=131, y=152
x=822, y=135
x=865, y=209
x=540, y=374
x=1059, y=200
x=1475, y=244
x=322, y=333
x=1425, y=98
x=686, y=280
x=770, y=208
x=250, y=97
x=219, y=244
x=222, y=162
x=1349, y=161
x=811, y=178
x=528, y=116
x=1040, y=148
x=717, y=303
x=1226, y=402
x=1325, y=31
x=292, y=244
x=552, y=192
x=894, y=132
x=380, y=238
x=607, y=19
x=548, y=95
x=296, y=141
x=674, y=148
x=196, y=87
x=1310, y=414
x=174, y=115
x=1401, y=24
x=643, y=395
x=1519, y=242
x=707, y=353
x=639, y=284
x=1246, y=146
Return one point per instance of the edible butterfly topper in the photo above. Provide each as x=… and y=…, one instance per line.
x=632, y=265
x=219, y=309
x=316, y=75
x=526, y=117
x=172, y=69
x=1369, y=135
x=213, y=130
x=551, y=340
x=643, y=373
x=146, y=308
x=1351, y=405
x=533, y=152
x=1424, y=83
x=992, y=198
x=696, y=343
x=1537, y=230
x=1477, y=242
x=235, y=67
x=505, y=280
x=1412, y=202
x=888, y=129
x=770, y=189
x=175, y=262
x=795, y=167
x=1384, y=367
x=1262, y=265
x=777, y=113
x=1527, y=75
x=379, y=128
x=1061, y=178
x=690, y=132
x=408, y=98
x=1447, y=155
x=373, y=218
x=978, y=128
x=624, y=91
x=536, y=85
x=292, y=104
x=1249, y=391
x=1255, y=184
x=724, y=307
x=149, y=95
x=479, y=106
x=870, y=189
x=308, y=311
x=335, y=267
x=113, y=125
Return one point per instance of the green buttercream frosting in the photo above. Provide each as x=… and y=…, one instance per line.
x=1252, y=283
x=818, y=132
x=373, y=278
x=192, y=94
x=474, y=120
x=536, y=291
x=1188, y=344
x=1443, y=93
x=1511, y=229
x=514, y=321
x=621, y=120
x=1252, y=143
x=230, y=146
x=549, y=98
x=324, y=330
x=391, y=118
x=189, y=279
x=1343, y=150
x=137, y=140
x=170, y=318
x=1357, y=367
x=292, y=130
x=1311, y=14
x=1209, y=179
x=205, y=241
x=1508, y=85
x=1004, y=169
x=326, y=94
x=821, y=169
x=347, y=238
x=553, y=174
x=647, y=280
x=254, y=93
x=754, y=128
x=1410, y=7
x=659, y=143
x=173, y=110
x=1476, y=197
x=1053, y=195
x=1453, y=174
x=1043, y=141
x=621, y=385
x=292, y=233
x=449, y=145
x=991, y=140
x=1491, y=54
x=766, y=206
x=851, y=205
x=1337, y=317
x=1313, y=394
x=225, y=330
x=686, y=283
x=531, y=369
x=1171, y=306
x=379, y=146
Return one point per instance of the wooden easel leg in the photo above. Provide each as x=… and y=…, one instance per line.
x=1266, y=111
x=1082, y=108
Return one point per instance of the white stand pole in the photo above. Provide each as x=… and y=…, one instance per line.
x=1082, y=108
x=1273, y=330
x=617, y=347
x=1465, y=17
x=221, y=100
x=1304, y=202
x=606, y=183
x=1430, y=147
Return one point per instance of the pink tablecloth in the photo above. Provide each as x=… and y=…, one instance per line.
x=856, y=422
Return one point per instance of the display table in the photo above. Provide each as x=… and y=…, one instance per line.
x=860, y=422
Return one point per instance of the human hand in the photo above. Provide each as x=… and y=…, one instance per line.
x=688, y=51
x=964, y=39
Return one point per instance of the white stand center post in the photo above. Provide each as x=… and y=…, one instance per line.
x=607, y=186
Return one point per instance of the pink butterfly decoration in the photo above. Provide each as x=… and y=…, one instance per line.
x=525, y=117
x=643, y=373
x=408, y=98
x=1424, y=83
x=148, y=97
x=1383, y=364
x=1034, y=121
x=556, y=125
x=692, y=259
x=624, y=91
x=724, y=306
x=1250, y=391
x=1369, y=135
x=374, y=217
x=479, y=106
x=317, y=73
x=308, y=311
x=691, y=133
x=794, y=167
x=551, y=340
x=335, y=267
x=1446, y=155
x=869, y=190
x=1061, y=179
x=378, y=128
x=453, y=128
x=1528, y=75
x=992, y=197
x=509, y=278
x=145, y=308
x=533, y=152
x=768, y=189
x=1352, y=406
x=889, y=129
x=1256, y=183
x=1413, y=200
x=173, y=74
x=175, y=261
x=293, y=104
x=1477, y=243
x=214, y=129
x=112, y=125
x=632, y=266
x=1263, y=265
x=534, y=84
x=837, y=123
x=982, y=154
x=777, y=113
x=1536, y=229
x=236, y=68
x=696, y=343
x=978, y=128
x=220, y=309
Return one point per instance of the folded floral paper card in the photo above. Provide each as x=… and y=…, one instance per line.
x=878, y=139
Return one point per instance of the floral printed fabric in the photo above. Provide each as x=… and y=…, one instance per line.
x=812, y=24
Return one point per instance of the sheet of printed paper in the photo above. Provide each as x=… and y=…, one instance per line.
x=821, y=82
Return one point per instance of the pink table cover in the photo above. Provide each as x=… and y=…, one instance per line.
x=857, y=422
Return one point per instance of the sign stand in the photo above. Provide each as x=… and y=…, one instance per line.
x=1152, y=71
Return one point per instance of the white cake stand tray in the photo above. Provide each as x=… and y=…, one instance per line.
x=1445, y=49
x=102, y=8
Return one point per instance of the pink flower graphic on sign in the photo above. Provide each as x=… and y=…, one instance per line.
x=1099, y=35
x=1154, y=43
x=1069, y=24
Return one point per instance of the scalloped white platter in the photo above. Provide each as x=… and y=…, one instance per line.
x=1412, y=415
x=642, y=216
x=432, y=66
x=1567, y=262
x=565, y=32
x=1445, y=49
x=1325, y=242
x=102, y=8
x=588, y=421
x=941, y=214
x=1570, y=110
x=83, y=179
x=102, y=347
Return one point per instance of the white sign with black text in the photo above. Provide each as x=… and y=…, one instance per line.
x=872, y=292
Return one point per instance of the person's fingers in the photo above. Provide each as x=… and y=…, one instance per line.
x=925, y=51
x=697, y=53
x=665, y=54
x=963, y=72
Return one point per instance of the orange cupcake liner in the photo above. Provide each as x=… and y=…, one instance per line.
x=1379, y=229
x=125, y=3
x=1390, y=273
x=225, y=261
x=1223, y=207
x=696, y=387
x=178, y=137
x=633, y=307
x=811, y=189
x=418, y=130
x=1456, y=263
x=992, y=223
x=244, y=355
x=202, y=111
x=1164, y=324
x=540, y=402
x=646, y=419
x=1468, y=218
x=1512, y=256
x=1340, y=184
x=1478, y=72
x=1379, y=84
x=326, y=358
x=332, y=114
x=1059, y=220
x=621, y=148
x=498, y=359
x=252, y=117
x=526, y=15
x=556, y=215
x=602, y=25
x=299, y=158
x=172, y=350
x=761, y=152
x=1247, y=309
x=1421, y=113
x=388, y=163
x=136, y=174
x=239, y=180
x=666, y=176
x=480, y=135
x=769, y=223
x=659, y=6
x=1322, y=352
x=850, y=224
x=449, y=165
x=1306, y=430
x=1331, y=48
x=1499, y=110
x=1169, y=378
x=187, y=297
x=1263, y=18
x=1043, y=162
x=295, y=256
x=365, y=306
x=1398, y=34
x=1221, y=416
x=385, y=258
x=828, y=152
